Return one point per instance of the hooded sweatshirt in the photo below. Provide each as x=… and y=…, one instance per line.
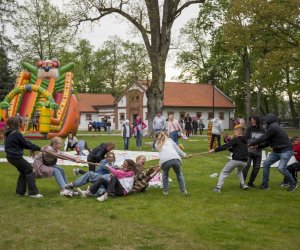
x=217, y=128
x=254, y=132
x=15, y=144
x=238, y=147
x=275, y=136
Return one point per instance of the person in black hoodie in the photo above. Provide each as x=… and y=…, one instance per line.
x=278, y=140
x=253, y=132
x=238, y=147
x=14, y=147
x=98, y=154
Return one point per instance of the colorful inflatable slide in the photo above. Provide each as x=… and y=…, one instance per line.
x=43, y=97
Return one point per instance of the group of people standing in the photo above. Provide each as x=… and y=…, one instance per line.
x=246, y=148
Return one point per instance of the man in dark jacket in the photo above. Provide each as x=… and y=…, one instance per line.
x=239, y=149
x=98, y=154
x=253, y=132
x=278, y=140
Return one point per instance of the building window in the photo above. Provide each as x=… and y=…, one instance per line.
x=122, y=116
x=88, y=117
x=210, y=116
x=137, y=98
x=198, y=114
x=221, y=115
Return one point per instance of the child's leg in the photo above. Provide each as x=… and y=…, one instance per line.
x=115, y=187
x=59, y=178
x=165, y=175
x=256, y=168
x=26, y=177
x=62, y=171
x=225, y=172
x=239, y=172
x=178, y=170
x=94, y=188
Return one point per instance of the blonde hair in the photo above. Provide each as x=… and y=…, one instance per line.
x=110, y=153
x=171, y=117
x=239, y=130
x=161, y=139
x=55, y=140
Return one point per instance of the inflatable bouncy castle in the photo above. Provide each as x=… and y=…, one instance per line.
x=43, y=98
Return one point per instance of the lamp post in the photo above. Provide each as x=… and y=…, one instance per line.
x=212, y=83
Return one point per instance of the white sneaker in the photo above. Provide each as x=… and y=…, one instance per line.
x=76, y=171
x=165, y=193
x=245, y=187
x=36, y=196
x=66, y=192
x=83, y=194
x=103, y=197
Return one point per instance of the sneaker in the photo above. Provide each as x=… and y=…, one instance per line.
x=66, y=192
x=185, y=193
x=21, y=195
x=165, y=193
x=70, y=185
x=76, y=171
x=103, y=197
x=264, y=187
x=245, y=187
x=292, y=187
x=36, y=196
x=251, y=185
x=83, y=194
x=284, y=185
x=217, y=190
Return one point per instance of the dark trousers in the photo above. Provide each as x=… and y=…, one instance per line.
x=126, y=142
x=213, y=136
x=293, y=169
x=256, y=159
x=91, y=167
x=26, y=176
x=113, y=186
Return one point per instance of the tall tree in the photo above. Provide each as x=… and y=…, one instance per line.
x=7, y=11
x=42, y=30
x=154, y=20
x=6, y=80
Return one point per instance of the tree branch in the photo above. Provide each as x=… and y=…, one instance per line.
x=178, y=12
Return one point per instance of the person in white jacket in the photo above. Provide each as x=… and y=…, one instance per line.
x=217, y=131
x=170, y=157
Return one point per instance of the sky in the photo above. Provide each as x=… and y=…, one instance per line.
x=112, y=26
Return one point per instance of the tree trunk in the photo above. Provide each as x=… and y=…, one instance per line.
x=290, y=94
x=246, y=64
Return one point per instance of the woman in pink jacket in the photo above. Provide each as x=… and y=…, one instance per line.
x=120, y=183
x=137, y=130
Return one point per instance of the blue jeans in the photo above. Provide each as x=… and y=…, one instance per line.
x=176, y=165
x=126, y=143
x=283, y=158
x=60, y=176
x=86, y=178
x=174, y=136
x=138, y=139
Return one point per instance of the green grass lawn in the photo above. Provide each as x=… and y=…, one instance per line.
x=234, y=219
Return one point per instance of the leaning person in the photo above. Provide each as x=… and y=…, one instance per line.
x=15, y=144
x=45, y=164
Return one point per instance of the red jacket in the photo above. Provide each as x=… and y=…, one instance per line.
x=297, y=151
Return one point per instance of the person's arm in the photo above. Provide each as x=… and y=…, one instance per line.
x=178, y=150
x=26, y=144
x=225, y=146
x=144, y=125
x=153, y=123
x=164, y=124
x=119, y=173
x=269, y=133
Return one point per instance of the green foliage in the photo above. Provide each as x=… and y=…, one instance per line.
x=43, y=31
x=6, y=79
x=234, y=219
